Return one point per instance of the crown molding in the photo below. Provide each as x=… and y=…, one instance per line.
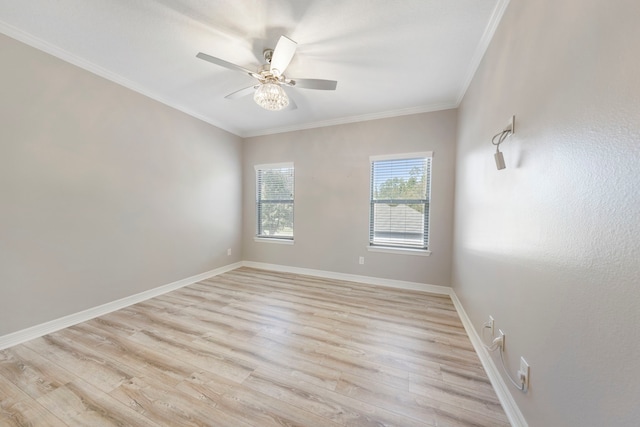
x=485, y=40
x=353, y=119
x=66, y=56
x=89, y=66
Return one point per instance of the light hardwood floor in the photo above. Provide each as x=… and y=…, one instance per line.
x=256, y=348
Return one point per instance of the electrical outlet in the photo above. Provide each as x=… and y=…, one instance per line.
x=502, y=337
x=523, y=373
x=361, y=260
x=491, y=324
x=229, y=251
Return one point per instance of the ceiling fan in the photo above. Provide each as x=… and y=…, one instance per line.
x=268, y=92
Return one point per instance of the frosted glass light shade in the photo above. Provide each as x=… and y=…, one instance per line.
x=271, y=97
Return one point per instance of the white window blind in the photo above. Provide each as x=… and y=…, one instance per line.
x=399, y=212
x=274, y=201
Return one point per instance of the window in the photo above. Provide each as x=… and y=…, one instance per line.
x=400, y=192
x=274, y=201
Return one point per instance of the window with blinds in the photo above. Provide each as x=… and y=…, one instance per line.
x=274, y=200
x=400, y=192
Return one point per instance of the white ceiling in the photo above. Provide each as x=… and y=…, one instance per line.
x=389, y=57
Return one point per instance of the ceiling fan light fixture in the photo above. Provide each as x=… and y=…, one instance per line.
x=271, y=96
x=268, y=92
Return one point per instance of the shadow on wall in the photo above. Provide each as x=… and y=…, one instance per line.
x=549, y=300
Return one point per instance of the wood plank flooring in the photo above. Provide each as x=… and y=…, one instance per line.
x=252, y=348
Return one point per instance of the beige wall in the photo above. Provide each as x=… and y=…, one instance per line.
x=550, y=246
x=104, y=193
x=332, y=195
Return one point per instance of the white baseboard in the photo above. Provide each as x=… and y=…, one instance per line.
x=506, y=399
x=37, y=331
x=434, y=289
x=499, y=385
x=502, y=391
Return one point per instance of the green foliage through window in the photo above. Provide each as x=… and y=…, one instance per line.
x=399, y=214
x=275, y=190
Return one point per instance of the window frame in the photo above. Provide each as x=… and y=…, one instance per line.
x=389, y=247
x=260, y=236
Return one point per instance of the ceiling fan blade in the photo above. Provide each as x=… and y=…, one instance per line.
x=282, y=55
x=242, y=92
x=225, y=64
x=317, y=84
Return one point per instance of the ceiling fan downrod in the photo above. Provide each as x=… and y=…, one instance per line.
x=268, y=55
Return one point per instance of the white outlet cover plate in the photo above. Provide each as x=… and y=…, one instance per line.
x=524, y=368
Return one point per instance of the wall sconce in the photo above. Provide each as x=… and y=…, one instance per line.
x=499, y=138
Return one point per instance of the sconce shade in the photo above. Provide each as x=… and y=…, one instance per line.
x=499, y=160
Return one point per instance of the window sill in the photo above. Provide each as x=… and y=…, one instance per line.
x=399, y=251
x=273, y=240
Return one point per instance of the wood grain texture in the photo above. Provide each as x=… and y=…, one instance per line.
x=253, y=348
